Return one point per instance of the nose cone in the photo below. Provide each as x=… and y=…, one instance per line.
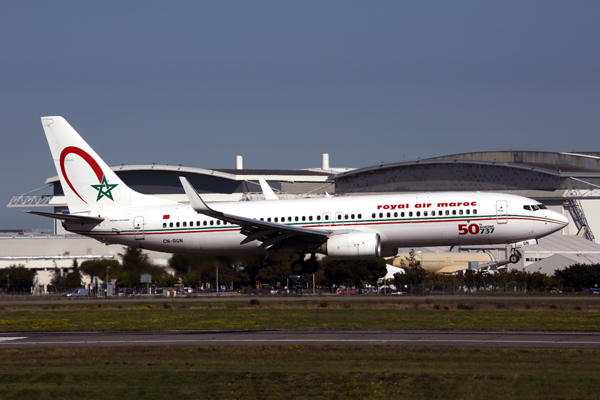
x=560, y=221
x=564, y=220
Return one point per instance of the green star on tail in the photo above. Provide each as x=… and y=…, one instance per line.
x=104, y=189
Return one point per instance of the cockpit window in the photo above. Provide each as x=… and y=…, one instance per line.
x=535, y=208
x=542, y=207
x=527, y=208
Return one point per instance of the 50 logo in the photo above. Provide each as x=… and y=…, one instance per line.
x=475, y=229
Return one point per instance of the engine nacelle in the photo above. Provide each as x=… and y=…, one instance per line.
x=353, y=245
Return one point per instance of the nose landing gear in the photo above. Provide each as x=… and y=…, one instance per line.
x=515, y=256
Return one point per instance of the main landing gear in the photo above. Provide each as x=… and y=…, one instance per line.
x=302, y=266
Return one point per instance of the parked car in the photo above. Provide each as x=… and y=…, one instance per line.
x=345, y=291
x=551, y=290
x=79, y=292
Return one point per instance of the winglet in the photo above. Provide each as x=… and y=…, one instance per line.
x=195, y=200
x=267, y=190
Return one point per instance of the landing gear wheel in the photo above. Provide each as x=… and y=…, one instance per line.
x=298, y=267
x=514, y=258
x=311, y=266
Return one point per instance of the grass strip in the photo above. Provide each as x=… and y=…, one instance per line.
x=346, y=316
x=299, y=372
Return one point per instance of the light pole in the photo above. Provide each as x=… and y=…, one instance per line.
x=107, y=271
x=7, y=282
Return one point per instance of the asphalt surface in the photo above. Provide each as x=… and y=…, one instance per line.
x=228, y=338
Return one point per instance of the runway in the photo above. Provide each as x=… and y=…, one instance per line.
x=249, y=338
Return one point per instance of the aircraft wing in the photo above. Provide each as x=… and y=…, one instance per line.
x=86, y=219
x=272, y=235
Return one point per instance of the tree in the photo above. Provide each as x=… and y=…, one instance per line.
x=578, y=276
x=19, y=278
x=134, y=264
x=354, y=272
x=99, y=267
x=73, y=278
x=413, y=271
x=59, y=281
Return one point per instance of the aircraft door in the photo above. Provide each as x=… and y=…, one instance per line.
x=138, y=228
x=501, y=211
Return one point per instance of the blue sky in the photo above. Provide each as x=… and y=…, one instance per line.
x=198, y=82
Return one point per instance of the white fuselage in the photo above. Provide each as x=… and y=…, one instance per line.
x=401, y=220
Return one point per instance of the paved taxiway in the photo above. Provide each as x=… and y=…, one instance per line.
x=220, y=338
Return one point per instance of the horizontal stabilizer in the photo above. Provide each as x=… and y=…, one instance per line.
x=68, y=217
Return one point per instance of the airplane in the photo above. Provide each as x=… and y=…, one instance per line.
x=103, y=207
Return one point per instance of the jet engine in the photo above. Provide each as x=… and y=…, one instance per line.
x=353, y=245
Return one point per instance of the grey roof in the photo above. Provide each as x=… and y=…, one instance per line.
x=560, y=261
x=563, y=244
x=558, y=164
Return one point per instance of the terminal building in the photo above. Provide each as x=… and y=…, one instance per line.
x=568, y=183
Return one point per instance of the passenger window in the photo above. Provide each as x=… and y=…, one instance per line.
x=453, y=212
x=424, y=213
x=410, y=213
x=359, y=216
x=326, y=217
x=177, y=224
x=352, y=216
x=389, y=215
x=303, y=218
x=395, y=214
x=269, y=219
x=197, y=223
x=380, y=215
x=289, y=219
x=184, y=224
x=310, y=218
x=346, y=216
x=474, y=211
x=447, y=212
x=296, y=219
x=402, y=214
x=164, y=224
x=219, y=222
x=212, y=223
x=276, y=219
x=460, y=212
x=339, y=217
x=373, y=215
x=170, y=224
x=318, y=217
x=204, y=223
x=418, y=213
x=468, y=212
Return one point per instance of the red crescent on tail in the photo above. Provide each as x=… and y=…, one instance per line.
x=81, y=153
